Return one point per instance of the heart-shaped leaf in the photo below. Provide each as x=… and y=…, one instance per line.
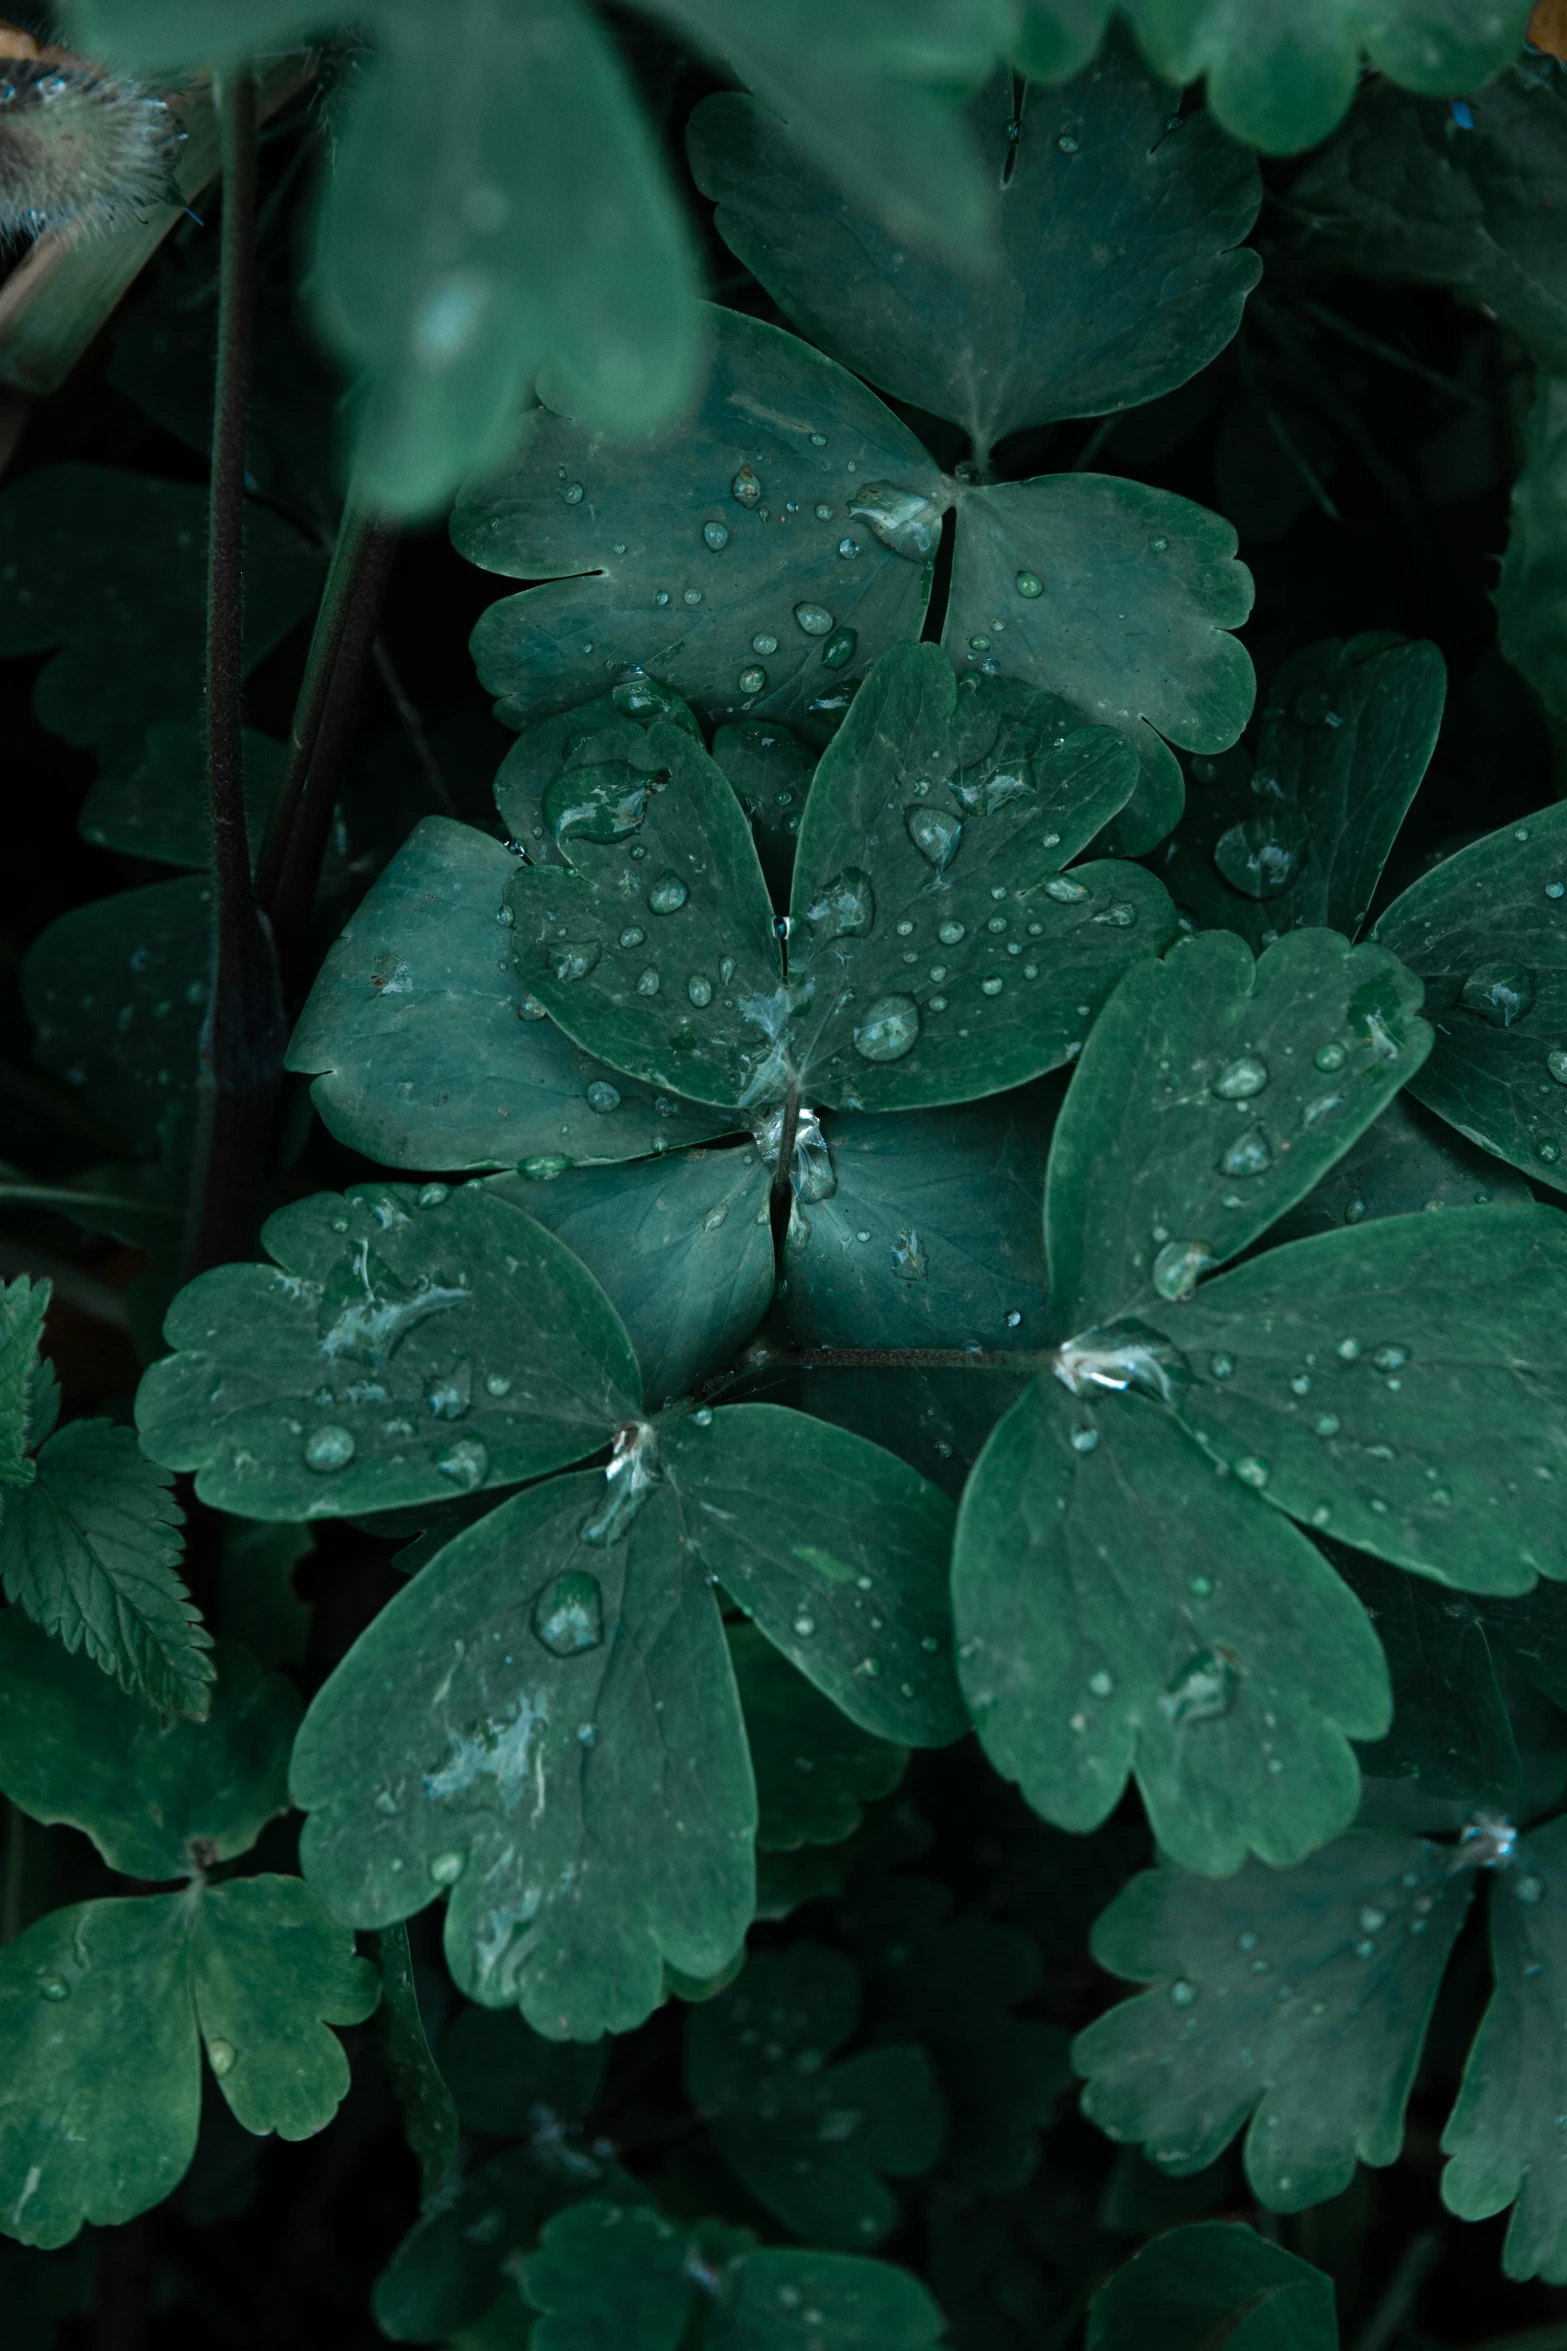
x=609, y=732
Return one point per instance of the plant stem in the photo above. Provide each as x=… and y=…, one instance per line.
x=241, y=1051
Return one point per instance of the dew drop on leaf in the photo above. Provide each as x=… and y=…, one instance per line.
x=668, y=894
x=466, y=1463
x=220, y=2056
x=746, y=488
x=716, y=534
x=1556, y=1063
x=446, y=1868
x=1178, y=1267
x=329, y=1447
x=1065, y=892
x=1330, y=1056
x=766, y=642
x=568, y=1615
x=888, y=1029
x=603, y=1097
x=1249, y=1155
x=839, y=648
x=936, y=833
x=1240, y=1079
x=843, y=908
x=1030, y=584
x=573, y=959
x=699, y=988
x=751, y=681
x=1202, y=1691
x=53, y=1987
x=1499, y=992
x=815, y=619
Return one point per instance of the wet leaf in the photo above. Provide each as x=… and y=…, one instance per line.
x=1072, y=323
x=771, y=771
x=1211, y=2285
x=548, y=1727
x=1408, y=1162
x=429, y=2110
x=1293, y=2004
x=408, y=1345
x=1120, y=1610
x=1213, y=1093
x=729, y=537
x=91, y=1551
x=1505, y=2133
x=813, y=2135
x=1397, y=1385
x=429, y=1051
x=609, y=732
x=159, y=1798
x=1451, y=1735
x=815, y=1769
x=1489, y=939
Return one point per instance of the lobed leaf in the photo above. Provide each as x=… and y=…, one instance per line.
x=1211, y=2285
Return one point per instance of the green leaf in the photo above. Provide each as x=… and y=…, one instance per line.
x=1531, y=593
x=815, y=1770
x=771, y=771
x=1218, y=1092
x=837, y=1551
x=786, y=2301
x=1406, y=1163
x=1405, y=193
x=610, y=2280
x=160, y=1799
x=117, y=991
x=1505, y=2133
x=509, y=2080
x=1451, y=1735
x=1120, y=599
x=1489, y=940
x=767, y=395
x=100, y=2073
x=153, y=802
x=22, y=1306
x=91, y=1551
x=416, y=1343
x=269, y=1972
x=1358, y=1936
x=1399, y=1386
x=1215, y=2286
x=1347, y=734
x=1121, y=1610
x=111, y=568
x=189, y=32
x=812, y=2135
x=614, y=729
x=681, y=1246
x=930, y=1236
x=427, y=1051
x=496, y=215
x=1118, y=278
x=430, y=2119
x=549, y=1727
x=1057, y=38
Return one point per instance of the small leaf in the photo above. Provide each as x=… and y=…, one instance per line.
x=728, y=536
x=1398, y=1385
x=815, y=1770
x=1451, y=1735
x=549, y=1728
x=507, y=2079
x=681, y=1246
x=22, y=1306
x=1531, y=593
x=837, y=1551
x=1218, y=1092
x=417, y=1343
x=269, y=1972
x=784, y=2301
x=429, y=1051
x=1489, y=939
x=1296, y=2002
x=91, y=1551
x=1119, y=1609
x=1505, y=2133
x=153, y=802
x=1118, y=280
x=1215, y=2286
x=603, y=2276
x=159, y=1799
x=1408, y=1162
x=1347, y=734
x=430, y=2121
x=100, y=2065
x=811, y=2137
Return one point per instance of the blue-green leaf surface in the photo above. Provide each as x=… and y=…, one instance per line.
x=1211, y=2285
x=815, y=1769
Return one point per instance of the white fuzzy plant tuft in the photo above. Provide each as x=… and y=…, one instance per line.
x=79, y=146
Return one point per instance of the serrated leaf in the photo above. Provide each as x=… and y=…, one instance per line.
x=681, y=1246
x=837, y=1551
x=1117, y=280
x=1347, y=733
x=570, y=503
x=408, y=1345
x=1408, y=1162
x=154, y=801
x=1397, y=1385
x=1218, y=1092
x=1505, y=2133
x=428, y=1052
x=1531, y=593
x=270, y=1971
x=91, y=1551
x=159, y=1799
x=507, y=2079
x=110, y=568
x=550, y=1728
x=1405, y=192
x=815, y=1770
x=22, y=1306
x=1120, y=1610
x=117, y=991
x=1215, y=2286
x=1294, y=2004
x=1489, y=941
x=813, y=2135
x=429, y=2109
x=1451, y=1736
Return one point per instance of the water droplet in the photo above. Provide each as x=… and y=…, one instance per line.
x=1330, y=1056
x=905, y=520
x=1084, y=1440
x=1556, y=1063
x=1390, y=1358
x=1100, y=1683
x=1529, y=1889
x=1239, y=1080
x=935, y=832
x=843, y=908
x=909, y=1262
x=572, y=493
x=703, y=1416
x=647, y=982
x=1249, y=1155
x=1221, y=1366
x=221, y=2054
x=1182, y=1994
x=544, y=1167
x=1067, y=145
x=605, y=802
x=53, y=1987
x=699, y=988
x=449, y=1394
x=815, y=619
x=329, y=1448
x=1252, y=1471
x=1556, y=889
x=466, y=1463
x=446, y=1868
x=496, y=1383
x=805, y=1626
x=573, y=959
x=888, y=1029
x=1347, y=1350
x=568, y=1615
x=1178, y=1266
x=1548, y=1151
x=1326, y=1424
x=746, y=488
x=529, y=1008
x=1064, y=892
x=1263, y=854
x=765, y=642
x=1159, y=546
x=1372, y=1921
x=752, y=680
x=1203, y=1690
x=603, y=1097
x=1499, y=992
x=991, y=987
x=839, y=648
x=434, y=1195
x=716, y=534
x=691, y=595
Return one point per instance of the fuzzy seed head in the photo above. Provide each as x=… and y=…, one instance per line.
x=79, y=146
